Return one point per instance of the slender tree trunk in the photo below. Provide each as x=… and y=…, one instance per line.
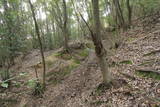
x=40, y=43
x=119, y=14
x=100, y=51
x=65, y=29
x=129, y=12
x=80, y=24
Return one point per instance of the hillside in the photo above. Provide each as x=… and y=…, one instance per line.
x=75, y=80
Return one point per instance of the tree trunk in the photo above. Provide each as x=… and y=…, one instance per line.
x=40, y=43
x=99, y=49
x=129, y=12
x=119, y=14
x=65, y=29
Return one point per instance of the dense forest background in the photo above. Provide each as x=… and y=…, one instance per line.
x=42, y=41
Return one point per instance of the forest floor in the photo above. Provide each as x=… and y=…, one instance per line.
x=76, y=81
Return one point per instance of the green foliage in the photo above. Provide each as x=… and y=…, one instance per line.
x=16, y=84
x=149, y=6
x=7, y=81
x=32, y=83
x=38, y=89
x=11, y=40
x=36, y=86
x=126, y=62
x=4, y=84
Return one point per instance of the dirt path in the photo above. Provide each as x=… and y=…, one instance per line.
x=70, y=92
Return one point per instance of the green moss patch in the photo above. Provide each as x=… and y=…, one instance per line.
x=148, y=75
x=68, y=62
x=84, y=53
x=126, y=62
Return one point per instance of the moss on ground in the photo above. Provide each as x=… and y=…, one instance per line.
x=84, y=52
x=126, y=62
x=148, y=75
x=69, y=63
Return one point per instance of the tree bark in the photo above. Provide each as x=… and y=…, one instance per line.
x=40, y=43
x=129, y=12
x=119, y=14
x=65, y=29
x=99, y=49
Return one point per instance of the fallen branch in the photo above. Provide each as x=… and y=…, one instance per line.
x=148, y=70
x=152, y=52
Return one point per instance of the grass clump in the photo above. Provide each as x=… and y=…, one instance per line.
x=36, y=86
